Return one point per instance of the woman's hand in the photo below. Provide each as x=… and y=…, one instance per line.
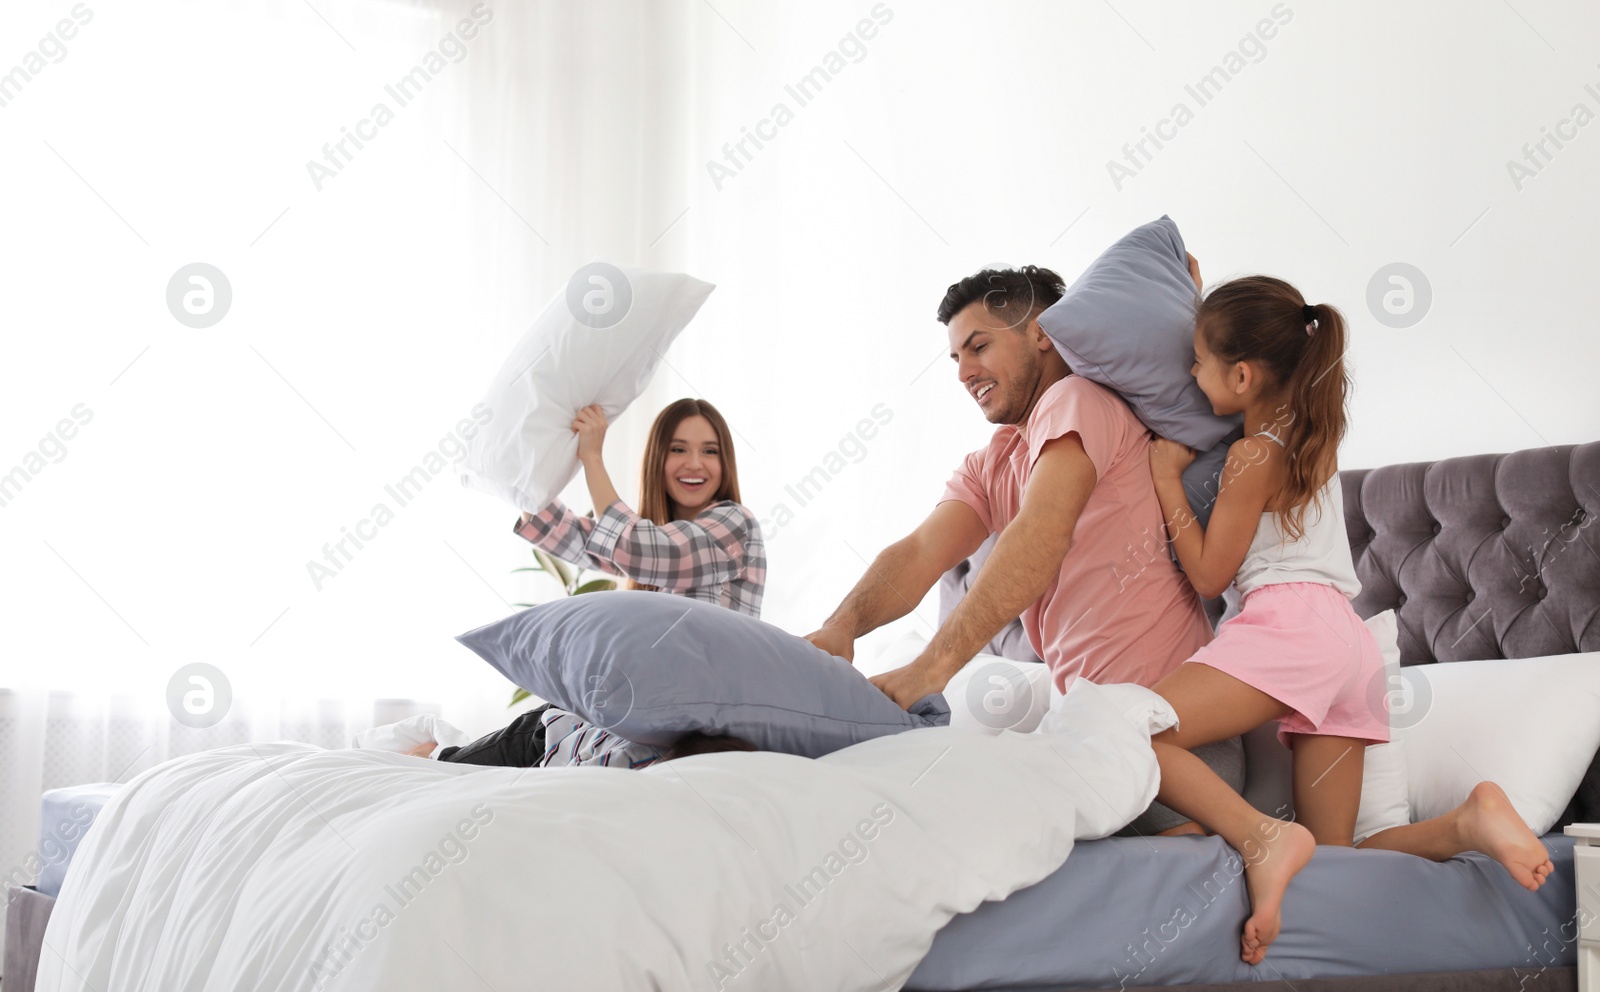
x=590, y=426
x=1168, y=459
x=1194, y=273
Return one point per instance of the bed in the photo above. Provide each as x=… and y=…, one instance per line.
x=1506, y=534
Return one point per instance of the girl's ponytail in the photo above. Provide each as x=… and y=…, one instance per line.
x=1318, y=390
x=1265, y=320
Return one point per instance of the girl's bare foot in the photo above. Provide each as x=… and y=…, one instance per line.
x=1489, y=823
x=1271, y=859
x=423, y=750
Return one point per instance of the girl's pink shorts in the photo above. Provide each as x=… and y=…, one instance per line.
x=1302, y=644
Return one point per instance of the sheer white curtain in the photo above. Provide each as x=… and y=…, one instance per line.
x=173, y=495
x=816, y=351
x=598, y=123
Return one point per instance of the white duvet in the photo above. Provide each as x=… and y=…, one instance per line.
x=284, y=866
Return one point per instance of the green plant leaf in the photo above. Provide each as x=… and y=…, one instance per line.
x=595, y=585
x=518, y=696
x=535, y=568
x=561, y=570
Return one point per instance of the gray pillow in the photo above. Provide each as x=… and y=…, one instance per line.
x=650, y=667
x=1127, y=323
x=1202, y=480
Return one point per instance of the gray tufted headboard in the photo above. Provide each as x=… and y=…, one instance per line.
x=1486, y=556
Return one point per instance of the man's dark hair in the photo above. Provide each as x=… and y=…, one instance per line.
x=1011, y=294
x=695, y=742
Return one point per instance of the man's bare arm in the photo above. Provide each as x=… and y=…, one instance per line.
x=1024, y=561
x=901, y=575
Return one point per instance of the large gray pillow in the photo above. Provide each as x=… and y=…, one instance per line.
x=651, y=667
x=1202, y=480
x=1128, y=323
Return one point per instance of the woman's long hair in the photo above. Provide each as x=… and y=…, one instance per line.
x=654, y=503
x=1301, y=346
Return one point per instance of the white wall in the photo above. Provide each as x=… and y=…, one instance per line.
x=1366, y=134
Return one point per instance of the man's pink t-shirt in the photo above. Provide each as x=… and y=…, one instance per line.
x=1120, y=610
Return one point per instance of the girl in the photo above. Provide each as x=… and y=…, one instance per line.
x=1296, y=652
x=691, y=537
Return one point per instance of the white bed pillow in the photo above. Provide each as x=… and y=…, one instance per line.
x=1385, y=798
x=1141, y=707
x=1269, y=766
x=990, y=694
x=1532, y=725
x=597, y=342
x=1385, y=801
x=898, y=653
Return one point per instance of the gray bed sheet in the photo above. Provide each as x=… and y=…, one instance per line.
x=1133, y=911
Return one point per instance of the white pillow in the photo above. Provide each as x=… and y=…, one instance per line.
x=1269, y=766
x=597, y=342
x=898, y=653
x=1142, y=707
x=1385, y=802
x=992, y=694
x=1532, y=725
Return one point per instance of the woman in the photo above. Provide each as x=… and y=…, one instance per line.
x=691, y=537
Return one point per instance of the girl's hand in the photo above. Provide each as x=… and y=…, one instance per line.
x=590, y=426
x=1168, y=459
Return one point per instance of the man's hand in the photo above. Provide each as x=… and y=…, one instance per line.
x=908, y=684
x=835, y=642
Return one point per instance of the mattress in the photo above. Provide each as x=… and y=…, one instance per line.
x=1135, y=911
x=64, y=817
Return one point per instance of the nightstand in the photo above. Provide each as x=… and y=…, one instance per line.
x=1586, y=864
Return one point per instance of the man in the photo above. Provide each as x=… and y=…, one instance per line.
x=1065, y=482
